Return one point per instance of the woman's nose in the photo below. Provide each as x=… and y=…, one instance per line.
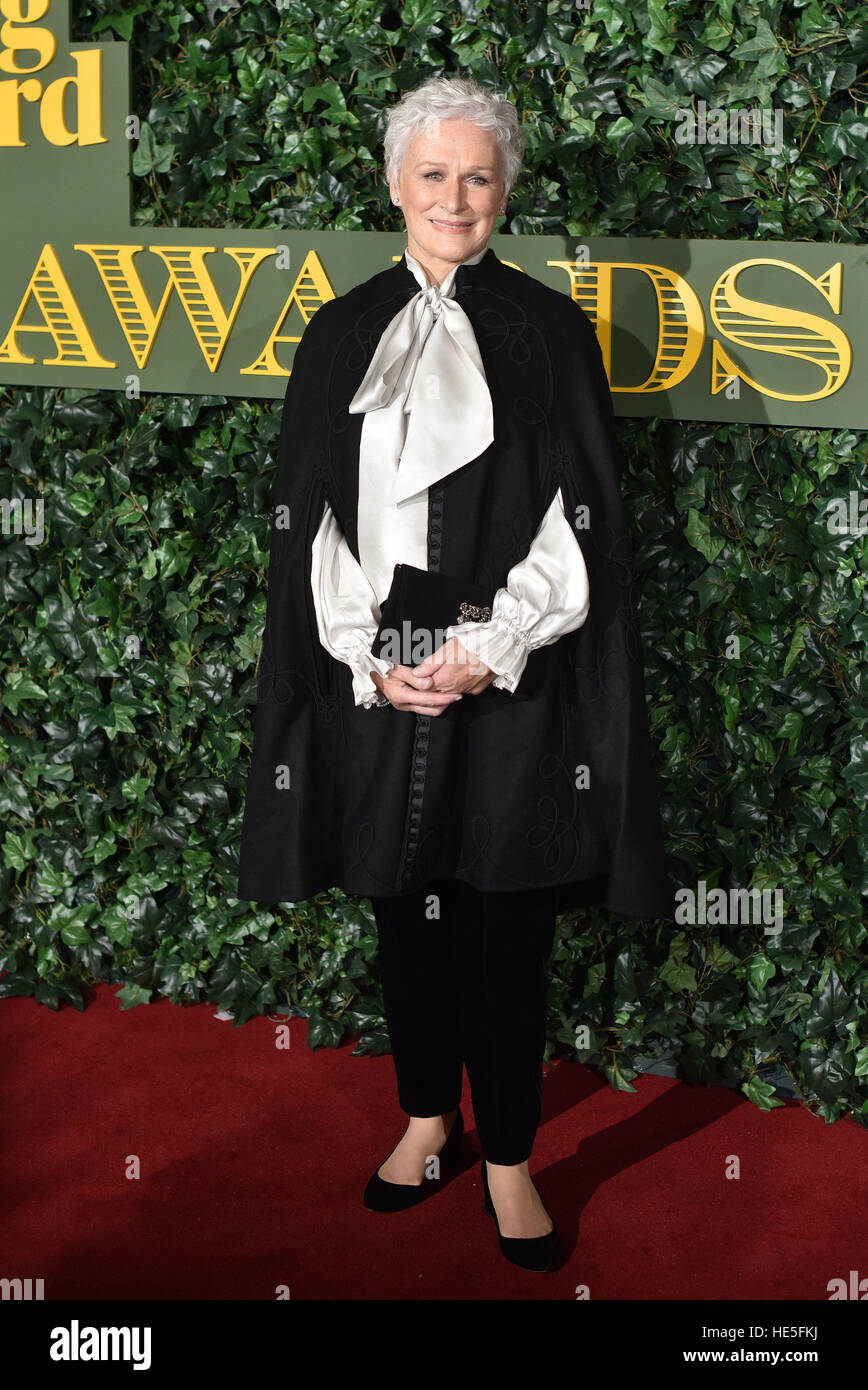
x=452, y=197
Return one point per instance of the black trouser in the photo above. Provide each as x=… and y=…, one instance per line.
x=469, y=986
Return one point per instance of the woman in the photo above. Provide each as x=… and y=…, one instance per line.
x=452, y=415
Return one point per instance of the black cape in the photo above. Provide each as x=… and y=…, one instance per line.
x=379, y=800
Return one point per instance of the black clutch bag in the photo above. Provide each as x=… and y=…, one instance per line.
x=419, y=607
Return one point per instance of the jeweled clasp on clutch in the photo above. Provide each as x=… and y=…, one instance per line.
x=469, y=613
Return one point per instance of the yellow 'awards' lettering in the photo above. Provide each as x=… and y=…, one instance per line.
x=190, y=277
x=20, y=34
x=753, y=324
x=64, y=321
x=310, y=290
x=681, y=322
x=180, y=317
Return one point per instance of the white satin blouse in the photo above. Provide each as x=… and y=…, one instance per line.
x=427, y=411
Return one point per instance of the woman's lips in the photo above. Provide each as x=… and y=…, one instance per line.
x=452, y=226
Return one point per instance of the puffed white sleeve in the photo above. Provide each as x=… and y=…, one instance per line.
x=347, y=612
x=546, y=595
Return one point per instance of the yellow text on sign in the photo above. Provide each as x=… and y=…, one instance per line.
x=681, y=333
x=20, y=34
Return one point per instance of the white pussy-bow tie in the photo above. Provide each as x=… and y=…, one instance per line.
x=429, y=353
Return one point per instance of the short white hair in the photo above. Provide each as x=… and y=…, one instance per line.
x=455, y=98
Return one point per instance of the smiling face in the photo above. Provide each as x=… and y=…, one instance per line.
x=450, y=189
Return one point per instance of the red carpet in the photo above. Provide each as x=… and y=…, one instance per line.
x=253, y=1162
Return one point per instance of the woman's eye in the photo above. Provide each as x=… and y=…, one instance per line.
x=435, y=174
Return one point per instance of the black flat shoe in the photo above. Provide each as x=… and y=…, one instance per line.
x=535, y=1252
x=392, y=1196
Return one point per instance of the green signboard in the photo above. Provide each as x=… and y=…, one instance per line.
x=711, y=330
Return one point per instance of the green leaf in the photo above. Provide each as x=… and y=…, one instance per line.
x=149, y=157
x=762, y=1093
x=18, y=687
x=712, y=586
x=831, y=1010
x=19, y=849
x=323, y=1031
x=698, y=532
x=132, y=995
x=759, y=971
x=76, y=935
x=797, y=646
x=676, y=972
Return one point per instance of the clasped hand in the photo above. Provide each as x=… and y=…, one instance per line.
x=437, y=682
